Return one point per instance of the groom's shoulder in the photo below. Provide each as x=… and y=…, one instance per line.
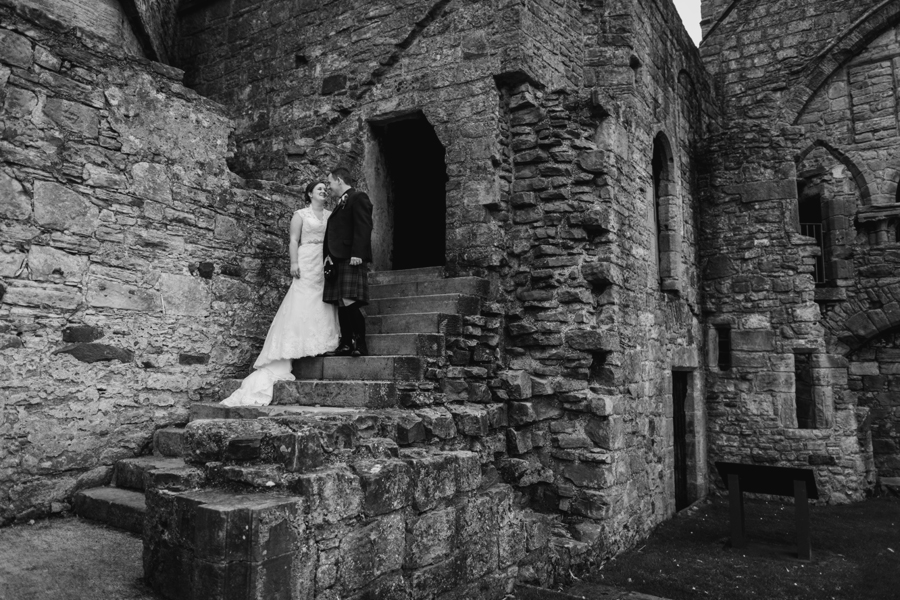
x=359, y=195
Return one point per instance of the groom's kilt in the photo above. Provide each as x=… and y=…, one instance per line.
x=349, y=282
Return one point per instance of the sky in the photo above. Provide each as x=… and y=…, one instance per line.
x=690, y=15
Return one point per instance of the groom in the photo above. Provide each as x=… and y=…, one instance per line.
x=348, y=244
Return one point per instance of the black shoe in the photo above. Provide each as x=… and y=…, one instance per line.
x=359, y=347
x=343, y=349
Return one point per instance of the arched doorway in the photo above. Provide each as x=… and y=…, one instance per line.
x=411, y=180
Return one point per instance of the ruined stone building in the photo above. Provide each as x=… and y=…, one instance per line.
x=605, y=259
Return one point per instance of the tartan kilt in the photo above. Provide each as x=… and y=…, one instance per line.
x=349, y=282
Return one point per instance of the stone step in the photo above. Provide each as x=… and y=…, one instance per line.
x=459, y=304
x=340, y=394
x=169, y=441
x=122, y=509
x=405, y=275
x=443, y=323
x=405, y=344
x=218, y=411
x=362, y=368
x=470, y=286
x=142, y=472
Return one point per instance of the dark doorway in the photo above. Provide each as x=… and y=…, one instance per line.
x=415, y=189
x=679, y=402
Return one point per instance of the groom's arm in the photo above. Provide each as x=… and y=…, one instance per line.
x=362, y=226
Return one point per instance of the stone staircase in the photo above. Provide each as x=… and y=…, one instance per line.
x=367, y=477
x=408, y=320
x=122, y=504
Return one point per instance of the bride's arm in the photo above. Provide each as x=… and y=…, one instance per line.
x=296, y=231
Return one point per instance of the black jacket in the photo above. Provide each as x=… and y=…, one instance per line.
x=349, y=230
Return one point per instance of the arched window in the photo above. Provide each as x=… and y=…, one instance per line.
x=668, y=215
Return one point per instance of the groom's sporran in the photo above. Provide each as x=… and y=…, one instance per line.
x=347, y=252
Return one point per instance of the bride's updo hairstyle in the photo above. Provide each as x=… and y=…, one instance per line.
x=309, y=190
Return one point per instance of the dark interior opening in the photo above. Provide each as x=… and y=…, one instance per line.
x=803, y=391
x=679, y=414
x=724, y=347
x=811, y=223
x=416, y=179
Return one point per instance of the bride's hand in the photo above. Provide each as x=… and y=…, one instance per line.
x=295, y=271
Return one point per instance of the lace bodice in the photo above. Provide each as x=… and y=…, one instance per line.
x=313, y=228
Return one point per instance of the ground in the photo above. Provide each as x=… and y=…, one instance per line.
x=856, y=555
x=70, y=559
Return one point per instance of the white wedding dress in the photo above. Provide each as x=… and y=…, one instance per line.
x=303, y=326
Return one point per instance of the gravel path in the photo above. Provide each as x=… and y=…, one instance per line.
x=70, y=559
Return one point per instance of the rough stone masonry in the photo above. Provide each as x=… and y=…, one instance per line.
x=687, y=255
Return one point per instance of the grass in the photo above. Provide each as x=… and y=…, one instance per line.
x=855, y=551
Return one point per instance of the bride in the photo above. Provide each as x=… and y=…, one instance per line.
x=304, y=325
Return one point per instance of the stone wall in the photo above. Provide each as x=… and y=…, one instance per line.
x=135, y=270
x=103, y=18
x=807, y=96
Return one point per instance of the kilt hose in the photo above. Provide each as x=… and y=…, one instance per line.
x=349, y=282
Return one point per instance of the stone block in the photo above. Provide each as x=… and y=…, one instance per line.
x=229, y=230
x=743, y=340
x=437, y=578
x=73, y=116
x=15, y=49
x=761, y=191
x=607, y=433
x=432, y=477
x=519, y=441
x=521, y=413
x=41, y=295
x=438, y=422
x=593, y=341
x=516, y=383
x=81, y=334
x=590, y=475
x=49, y=264
x=151, y=182
x=57, y=207
x=470, y=420
x=477, y=528
x=113, y=294
x=593, y=161
x=600, y=274
x=300, y=451
x=184, y=295
x=468, y=470
x=430, y=538
x=14, y=201
x=385, y=485
x=10, y=262
x=332, y=494
x=370, y=551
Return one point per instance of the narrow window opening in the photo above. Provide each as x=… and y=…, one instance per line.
x=723, y=352
x=803, y=391
x=812, y=224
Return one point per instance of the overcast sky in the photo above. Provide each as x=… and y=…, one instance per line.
x=690, y=15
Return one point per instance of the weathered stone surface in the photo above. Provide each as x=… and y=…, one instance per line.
x=73, y=116
x=39, y=295
x=49, y=264
x=58, y=207
x=14, y=201
x=16, y=49
x=112, y=294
